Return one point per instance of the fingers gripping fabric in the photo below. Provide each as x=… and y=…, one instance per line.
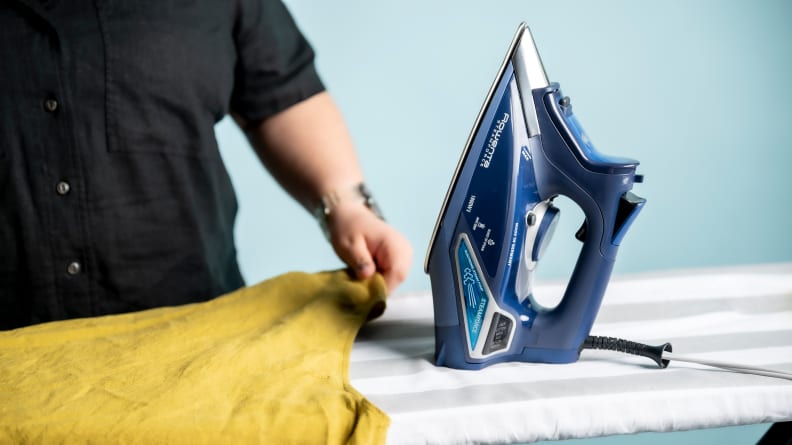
x=265, y=364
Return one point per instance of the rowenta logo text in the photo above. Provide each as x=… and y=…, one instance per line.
x=492, y=143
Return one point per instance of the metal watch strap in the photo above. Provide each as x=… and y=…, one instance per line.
x=358, y=192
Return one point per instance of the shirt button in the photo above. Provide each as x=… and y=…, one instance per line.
x=73, y=268
x=63, y=188
x=51, y=105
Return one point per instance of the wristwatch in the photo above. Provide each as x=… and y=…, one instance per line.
x=358, y=193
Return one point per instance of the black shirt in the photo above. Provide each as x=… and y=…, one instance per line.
x=113, y=195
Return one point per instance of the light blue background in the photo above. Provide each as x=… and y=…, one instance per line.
x=699, y=91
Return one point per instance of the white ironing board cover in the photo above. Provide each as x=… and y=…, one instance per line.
x=737, y=314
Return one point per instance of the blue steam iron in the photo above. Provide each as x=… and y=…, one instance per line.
x=525, y=149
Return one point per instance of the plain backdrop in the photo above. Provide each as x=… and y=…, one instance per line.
x=699, y=92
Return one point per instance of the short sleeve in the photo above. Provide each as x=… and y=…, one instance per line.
x=275, y=63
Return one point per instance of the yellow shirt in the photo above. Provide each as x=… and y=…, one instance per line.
x=265, y=364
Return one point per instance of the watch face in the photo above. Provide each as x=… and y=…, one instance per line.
x=370, y=202
x=364, y=191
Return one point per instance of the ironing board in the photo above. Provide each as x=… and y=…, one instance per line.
x=737, y=314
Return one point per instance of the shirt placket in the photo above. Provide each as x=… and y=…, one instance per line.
x=62, y=188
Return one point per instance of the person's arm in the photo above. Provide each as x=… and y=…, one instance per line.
x=308, y=150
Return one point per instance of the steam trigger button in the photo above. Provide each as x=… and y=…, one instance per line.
x=581, y=232
x=545, y=232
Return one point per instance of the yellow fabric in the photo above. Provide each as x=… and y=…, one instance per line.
x=265, y=364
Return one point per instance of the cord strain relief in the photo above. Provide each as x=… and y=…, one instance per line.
x=628, y=347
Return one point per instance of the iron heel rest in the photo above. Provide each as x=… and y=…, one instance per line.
x=525, y=149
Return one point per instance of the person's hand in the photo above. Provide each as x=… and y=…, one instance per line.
x=368, y=244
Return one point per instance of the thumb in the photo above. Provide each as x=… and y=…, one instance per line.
x=357, y=256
